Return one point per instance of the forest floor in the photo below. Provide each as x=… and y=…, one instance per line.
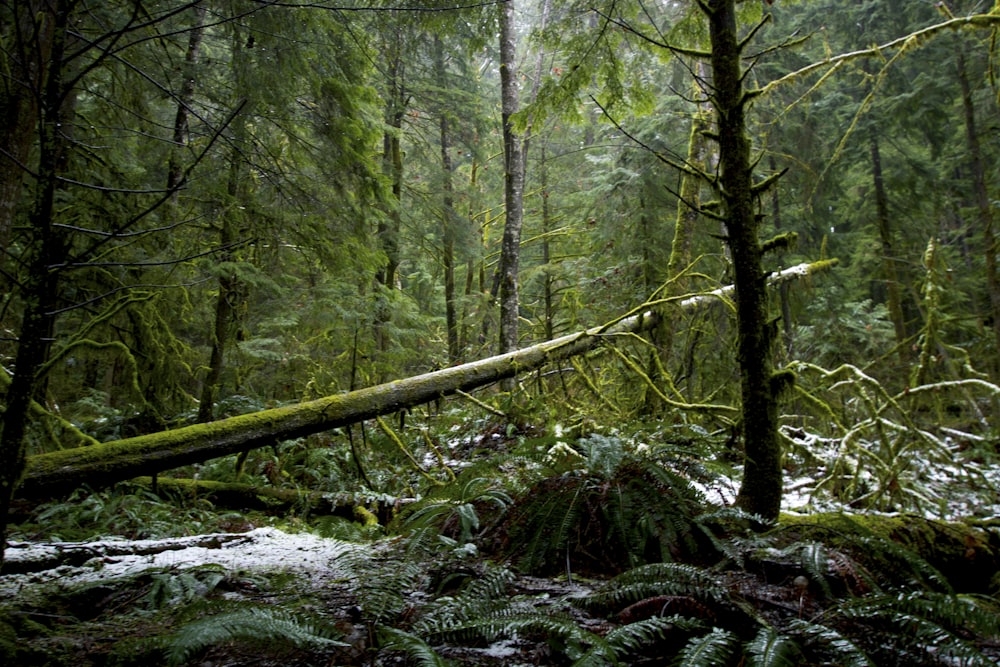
x=267, y=597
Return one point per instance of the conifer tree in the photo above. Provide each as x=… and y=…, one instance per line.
x=510, y=252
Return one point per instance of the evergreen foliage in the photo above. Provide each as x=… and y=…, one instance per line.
x=250, y=624
x=211, y=209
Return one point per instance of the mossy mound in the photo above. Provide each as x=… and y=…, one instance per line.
x=967, y=556
x=588, y=523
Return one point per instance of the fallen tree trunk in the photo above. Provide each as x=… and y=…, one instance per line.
x=237, y=496
x=56, y=473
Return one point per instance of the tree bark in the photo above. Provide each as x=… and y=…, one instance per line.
x=230, y=286
x=760, y=491
x=47, y=250
x=185, y=98
x=99, y=465
x=448, y=216
x=228, y=297
x=894, y=299
x=510, y=251
x=30, y=34
x=392, y=166
x=984, y=206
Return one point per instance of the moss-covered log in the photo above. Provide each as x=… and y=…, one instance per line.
x=237, y=496
x=966, y=554
x=56, y=473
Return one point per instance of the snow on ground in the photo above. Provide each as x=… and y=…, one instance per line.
x=35, y=570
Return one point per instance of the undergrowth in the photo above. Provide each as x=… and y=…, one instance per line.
x=693, y=581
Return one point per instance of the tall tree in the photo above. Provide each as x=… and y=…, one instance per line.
x=49, y=250
x=107, y=205
x=449, y=217
x=760, y=387
x=984, y=206
x=27, y=28
x=510, y=252
x=231, y=292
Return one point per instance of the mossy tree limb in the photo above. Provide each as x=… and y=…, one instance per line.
x=56, y=473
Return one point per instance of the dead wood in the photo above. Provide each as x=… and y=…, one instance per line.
x=57, y=473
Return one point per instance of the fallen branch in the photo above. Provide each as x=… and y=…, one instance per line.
x=56, y=473
x=237, y=496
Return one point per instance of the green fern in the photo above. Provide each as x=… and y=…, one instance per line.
x=394, y=639
x=733, y=533
x=591, y=521
x=815, y=560
x=629, y=638
x=772, y=649
x=834, y=646
x=261, y=624
x=559, y=631
x=456, y=504
x=888, y=557
x=653, y=580
x=483, y=610
x=170, y=588
x=715, y=648
x=382, y=580
x=921, y=624
x=480, y=598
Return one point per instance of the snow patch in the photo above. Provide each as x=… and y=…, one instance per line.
x=261, y=550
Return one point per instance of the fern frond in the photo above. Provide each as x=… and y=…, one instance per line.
x=491, y=585
x=265, y=624
x=816, y=562
x=578, y=643
x=924, y=622
x=772, y=649
x=394, y=639
x=628, y=638
x=656, y=579
x=899, y=560
x=842, y=650
x=382, y=587
x=733, y=532
x=715, y=648
x=482, y=597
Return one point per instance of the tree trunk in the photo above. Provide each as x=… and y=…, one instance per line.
x=448, y=217
x=510, y=251
x=175, y=166
x=389, y=225
x=99, y=465
x=30, y=32
x=549, y=283
x=48, y=249
x=760, y=492
x=894, y=299
x=230, y=286
x=228, y=297
x=983, y=206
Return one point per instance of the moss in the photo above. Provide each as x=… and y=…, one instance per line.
x=784, y=241
x=366, y=517
x=781, y=383
x=8, y=642
x=968, y=556
x=15, y=630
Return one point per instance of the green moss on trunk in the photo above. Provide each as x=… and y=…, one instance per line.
x=103, y=464
x=760, y=492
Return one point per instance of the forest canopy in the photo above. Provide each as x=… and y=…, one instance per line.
x=459, y=270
